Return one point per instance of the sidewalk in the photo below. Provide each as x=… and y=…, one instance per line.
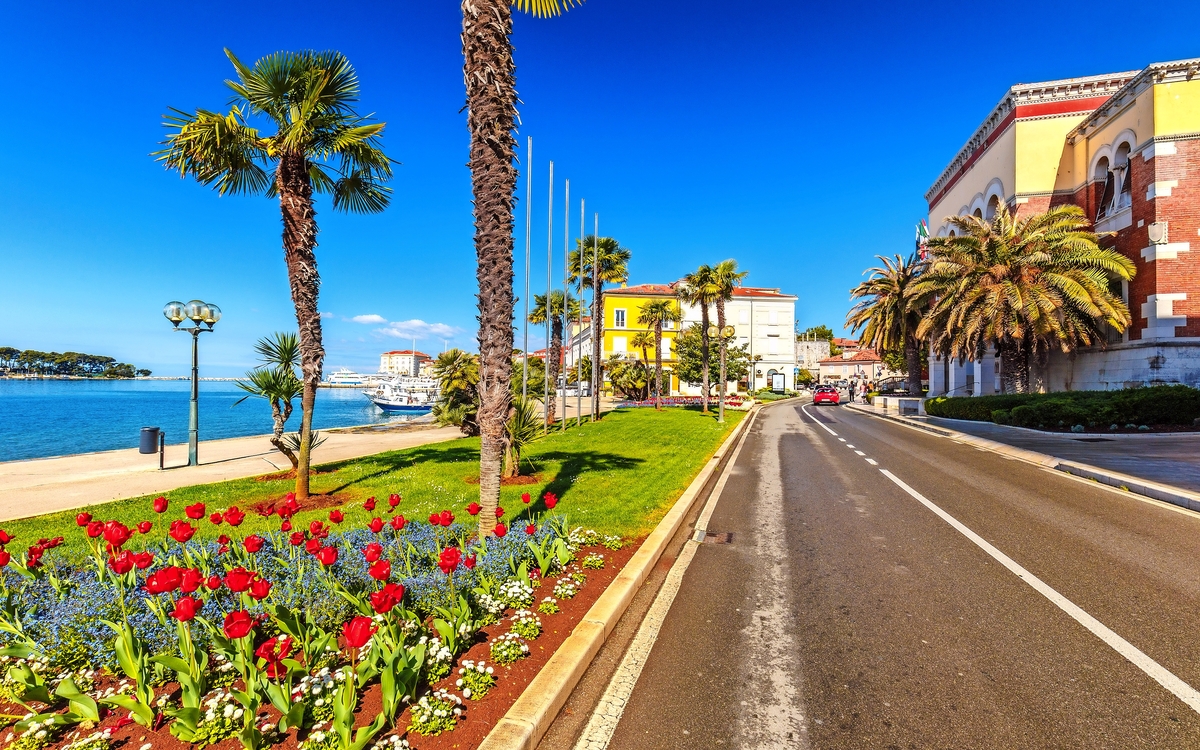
x=37, y=486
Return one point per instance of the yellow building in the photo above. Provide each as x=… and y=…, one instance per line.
x=622, y=306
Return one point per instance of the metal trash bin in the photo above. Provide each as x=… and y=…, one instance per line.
x=149, y=442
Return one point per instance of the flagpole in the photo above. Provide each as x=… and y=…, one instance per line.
x=549, y=271
x=597, y=344
x=566, y=314
x=579, y=328
x=528, y=225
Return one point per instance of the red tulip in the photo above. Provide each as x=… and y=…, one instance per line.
x=51, y=543
x=313, y=546
x=336, y=516
x=223, y=539
x=550, y=499
x=317, y=529
x=449, y=559
x=144, y=527
x=266, y=510
x=5, y=537
x=435, y=519
x=286, y=526
x=394, y=500
x=376, y=525
x=474, y=509
x=194, y=512
x=296, y=539
x=446, y=518
x=143, y=560
x=234, y=517
x=5, y=557
x=260, y=589
x=500, y=530
x=190, y=580
x=95, y=529
x=216, y=518
x=253, y=543
x=164, y=580
x=358, y=631
x=83, y=519
x=186, y=608
x=327, y=555
x=398, y=523
x=370, y=503
x=213, y=583
x=499, y=512
x=239, y=579
x=380, y=570
x=160, y=505
x=238, y=624
x=181, y=531
x=120, y=564
x=531, y=529
x=274, y=651
x=469, y=561
x=525, y=497
x=116, y=534
x=373, y=551
x=383, y=600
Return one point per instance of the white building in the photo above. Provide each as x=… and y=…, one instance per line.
x=809, y=354
x=764, y=320
x=403, y=362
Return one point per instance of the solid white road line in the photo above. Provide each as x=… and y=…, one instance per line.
x=1156, y=671
x=823, y=425
x=603, y=722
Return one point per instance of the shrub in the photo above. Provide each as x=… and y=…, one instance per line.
x=1159, y=405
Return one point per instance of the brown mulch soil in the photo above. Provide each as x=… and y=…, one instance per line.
x=291, y=475
x=509, y=481
x=479, y=716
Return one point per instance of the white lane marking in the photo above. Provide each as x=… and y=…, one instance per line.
x=842, y=439
x=823, y=426
x=872, y=461
x=860, y=453
x=1153, y=669
x=851, y=447
x=603, y=722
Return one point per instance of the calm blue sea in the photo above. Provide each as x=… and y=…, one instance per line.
x=40, y=418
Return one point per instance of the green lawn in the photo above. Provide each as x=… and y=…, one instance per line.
x=618, y=476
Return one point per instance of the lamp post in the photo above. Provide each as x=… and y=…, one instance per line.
x=199, y=313
x=724, y=335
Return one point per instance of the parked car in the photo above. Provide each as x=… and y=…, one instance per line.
x=826, y=394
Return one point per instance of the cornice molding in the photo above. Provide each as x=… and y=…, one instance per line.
x=1165, y=72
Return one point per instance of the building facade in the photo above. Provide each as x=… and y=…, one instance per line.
x=1125, y=147
x=403, y=362
x=856, y=364
x=809, y=353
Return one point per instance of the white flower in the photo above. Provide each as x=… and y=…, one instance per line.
x=147, y=746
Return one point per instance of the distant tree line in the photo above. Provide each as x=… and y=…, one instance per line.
x=32, y=362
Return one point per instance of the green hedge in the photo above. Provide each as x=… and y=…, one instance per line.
x=1156, y=405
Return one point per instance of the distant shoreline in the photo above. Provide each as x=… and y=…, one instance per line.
x=100, y=378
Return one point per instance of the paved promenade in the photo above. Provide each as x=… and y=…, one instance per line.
x=29, y=488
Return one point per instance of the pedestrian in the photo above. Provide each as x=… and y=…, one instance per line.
x=865, y=389
x=853, y=388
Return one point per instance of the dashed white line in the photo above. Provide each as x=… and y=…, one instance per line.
x=1153, y=669
x=872, y=461
x=842, y=439
x=860, y=453
x=851, y=447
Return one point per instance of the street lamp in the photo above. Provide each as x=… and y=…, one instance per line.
x=201, y=314
x=724, y=334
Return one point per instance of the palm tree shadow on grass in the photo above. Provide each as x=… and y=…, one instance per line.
x=573, y=465
x=409, y=457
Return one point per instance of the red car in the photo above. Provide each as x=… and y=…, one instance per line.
x=826, y=394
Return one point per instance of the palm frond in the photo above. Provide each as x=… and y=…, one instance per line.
x=545, y=8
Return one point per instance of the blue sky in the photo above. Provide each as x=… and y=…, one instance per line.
x=798, y=140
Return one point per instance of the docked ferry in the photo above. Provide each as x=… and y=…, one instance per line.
x=404, y=394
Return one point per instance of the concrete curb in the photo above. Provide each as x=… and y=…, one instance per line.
x=523, y=727
x=1138, y=486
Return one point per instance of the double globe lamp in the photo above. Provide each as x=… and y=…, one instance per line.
x=201, y=314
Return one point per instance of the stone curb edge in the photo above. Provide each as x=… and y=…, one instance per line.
x=527, y=721
x=1136, y=485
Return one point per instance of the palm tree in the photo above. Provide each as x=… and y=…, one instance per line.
x=699, y=288
x=457, y=374
x=890, y=313
x=1021, y=286
x=558, y=313
x=611, y=266
x=654, y=313
x=726, y=277
x=275, y=380
x=320, y=145
x=643, y=340
x=489, y=73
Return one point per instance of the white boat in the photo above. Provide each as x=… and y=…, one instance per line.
x=404, y=394
x=347, y=377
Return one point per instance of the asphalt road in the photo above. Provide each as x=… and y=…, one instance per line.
x=845, y=613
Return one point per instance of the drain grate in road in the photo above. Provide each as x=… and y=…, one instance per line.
x=718, y=537
x=1093, y=440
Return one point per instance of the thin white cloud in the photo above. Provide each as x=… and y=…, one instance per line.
x=369, y=319
x=326, y=315
x=419, y=329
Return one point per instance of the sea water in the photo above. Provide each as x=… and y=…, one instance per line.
x=40, y=418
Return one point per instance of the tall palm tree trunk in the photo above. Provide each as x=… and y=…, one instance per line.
x=658, y=365
x=299, y=251
x=489, y=74
x=554, y=357
x=704, y=354
x=721, y=345
x=598, y=338
x=912, y=361
x=1014, y=367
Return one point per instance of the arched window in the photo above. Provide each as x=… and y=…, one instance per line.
x=1124, y=183
x=993, y=205
x=1101, y=172
x=978, y=214
x=953, y=233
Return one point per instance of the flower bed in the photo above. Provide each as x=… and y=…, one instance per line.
x=314, y=636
